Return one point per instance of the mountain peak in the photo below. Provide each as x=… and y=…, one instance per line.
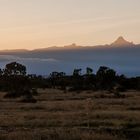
x=121, y=38
x=121, y=42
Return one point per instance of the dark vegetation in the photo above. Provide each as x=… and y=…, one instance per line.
x=101, y=106
x=105, y=79
x=15, y=81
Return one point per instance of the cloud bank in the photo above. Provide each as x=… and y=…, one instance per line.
x=4, y=58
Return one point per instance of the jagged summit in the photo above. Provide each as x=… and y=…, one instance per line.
x=121, y=42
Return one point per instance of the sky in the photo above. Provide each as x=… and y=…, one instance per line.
x=30, y=24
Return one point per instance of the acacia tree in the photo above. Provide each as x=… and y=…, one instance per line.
x=89, y=71
x=18, y=84
x=15, y=76
x=77, y=72
x=105, y=77
x=15, y=68
x=1, y=72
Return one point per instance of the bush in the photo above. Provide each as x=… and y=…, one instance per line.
x=28, y=99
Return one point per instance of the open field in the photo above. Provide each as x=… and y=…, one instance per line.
x=71, y=116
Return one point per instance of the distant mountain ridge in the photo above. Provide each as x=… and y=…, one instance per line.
x=120, y=42
x=122, y=56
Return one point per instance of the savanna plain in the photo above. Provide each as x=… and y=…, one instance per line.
x=59, y=115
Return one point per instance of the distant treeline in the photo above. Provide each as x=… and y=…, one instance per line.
x=15, y=80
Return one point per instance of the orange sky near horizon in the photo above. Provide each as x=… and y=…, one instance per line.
x=31, y=24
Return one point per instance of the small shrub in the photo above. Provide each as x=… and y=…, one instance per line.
x=34, y=92
x=28, y=99
x=118, y=95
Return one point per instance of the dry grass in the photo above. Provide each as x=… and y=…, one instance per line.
x=71, y=116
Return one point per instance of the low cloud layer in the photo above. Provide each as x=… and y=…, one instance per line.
x=4, y=58
x=123, y=60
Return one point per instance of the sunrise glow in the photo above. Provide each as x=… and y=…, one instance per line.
x=30, y=24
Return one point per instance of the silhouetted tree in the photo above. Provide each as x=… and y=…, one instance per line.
x=57, y=79
x=89, y=71
x=16, y=80
x=1, y=72
x=57, y=74
x=15, y=68
x=105, y=77
x=77, y=72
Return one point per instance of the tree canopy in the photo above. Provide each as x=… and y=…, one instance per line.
x=15, y=68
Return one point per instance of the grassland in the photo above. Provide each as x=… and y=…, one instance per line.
x=57, y=115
